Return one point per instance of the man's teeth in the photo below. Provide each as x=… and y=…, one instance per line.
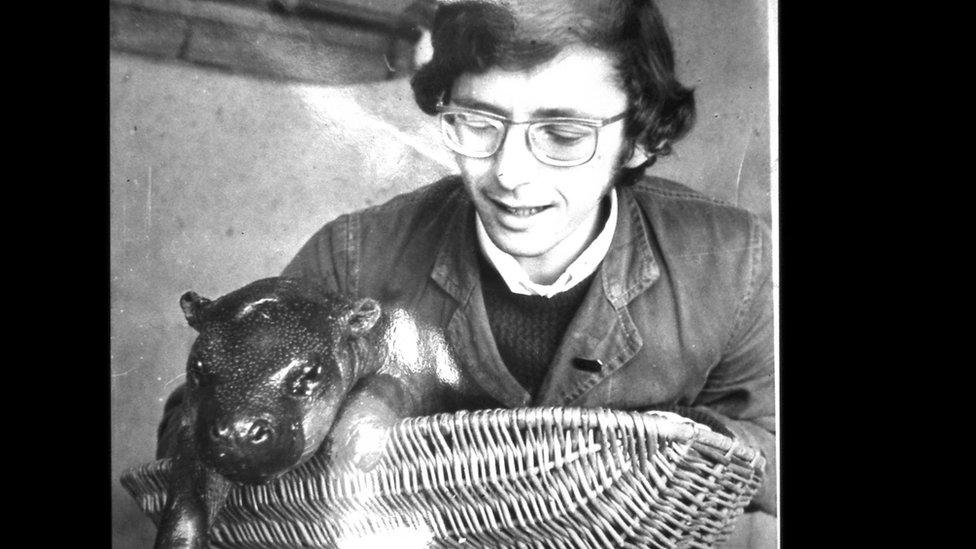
x=523, y=212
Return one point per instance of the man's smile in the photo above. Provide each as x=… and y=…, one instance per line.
x=519, y=210
x=517, y=217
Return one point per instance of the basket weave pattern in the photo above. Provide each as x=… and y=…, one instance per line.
x=528, y=477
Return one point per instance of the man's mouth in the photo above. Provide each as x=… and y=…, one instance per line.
x=519, y=211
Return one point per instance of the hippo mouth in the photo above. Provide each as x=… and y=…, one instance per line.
x=249, y=455
x=249, y=469
x=250, y=476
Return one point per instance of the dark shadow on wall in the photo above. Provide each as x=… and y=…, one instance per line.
x=314, y=41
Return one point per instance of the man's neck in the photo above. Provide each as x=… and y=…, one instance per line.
x=545, y=269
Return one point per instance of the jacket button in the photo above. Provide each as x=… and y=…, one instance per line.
x=588, y=365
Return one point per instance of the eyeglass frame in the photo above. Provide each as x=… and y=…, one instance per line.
x=596, y=123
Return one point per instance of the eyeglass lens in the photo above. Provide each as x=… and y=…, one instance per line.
x=479, y=136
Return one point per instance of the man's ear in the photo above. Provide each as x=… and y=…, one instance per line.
x=363, y=317
x=638, y=156
x=193, y=306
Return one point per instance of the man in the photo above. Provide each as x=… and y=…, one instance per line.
x=560, y=274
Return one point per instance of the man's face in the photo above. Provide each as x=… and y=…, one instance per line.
x=543, y=215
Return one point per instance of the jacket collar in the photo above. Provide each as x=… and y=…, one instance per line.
x=602, y=331
x=630, y=266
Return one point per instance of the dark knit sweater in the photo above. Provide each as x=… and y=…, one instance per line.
x=527, y=328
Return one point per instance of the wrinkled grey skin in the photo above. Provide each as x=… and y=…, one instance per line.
x=277, y=366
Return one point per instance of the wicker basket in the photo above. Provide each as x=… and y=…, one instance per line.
x=528, y=477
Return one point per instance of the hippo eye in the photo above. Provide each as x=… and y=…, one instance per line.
x=195, y=372
x=308, y=380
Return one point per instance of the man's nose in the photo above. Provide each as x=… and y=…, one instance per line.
x=515, y=165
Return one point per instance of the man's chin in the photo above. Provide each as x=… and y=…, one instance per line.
x=525, y=246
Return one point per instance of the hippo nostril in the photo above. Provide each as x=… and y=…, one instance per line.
x=219, y=433
x=259, y=432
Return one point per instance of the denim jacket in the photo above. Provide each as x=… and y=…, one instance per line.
x=679, y=312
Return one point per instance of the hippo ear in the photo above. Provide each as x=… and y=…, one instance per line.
x=363, y=317
x=193, y=306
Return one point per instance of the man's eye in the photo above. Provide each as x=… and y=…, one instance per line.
x=564, y=133
x=475, y=122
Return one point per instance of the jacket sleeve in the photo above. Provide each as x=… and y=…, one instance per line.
x=740, y=389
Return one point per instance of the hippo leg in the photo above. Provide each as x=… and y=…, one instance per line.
x=194, y=498
x=370, y=411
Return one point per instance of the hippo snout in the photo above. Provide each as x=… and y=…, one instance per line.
x=251, y=449
x=243, y=432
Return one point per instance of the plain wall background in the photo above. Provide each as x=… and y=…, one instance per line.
x=217, y=179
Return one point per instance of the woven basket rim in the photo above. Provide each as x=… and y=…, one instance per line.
x=659, y=431
x=683, y=431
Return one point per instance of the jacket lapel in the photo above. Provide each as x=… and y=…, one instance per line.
x=468, y=331
x=602, y=336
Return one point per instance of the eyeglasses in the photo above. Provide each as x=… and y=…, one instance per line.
x=559, y=141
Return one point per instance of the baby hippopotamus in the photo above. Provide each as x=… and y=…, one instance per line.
x=278, y=366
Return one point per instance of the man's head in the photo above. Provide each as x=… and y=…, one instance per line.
x=548, y=104
x=475, y=36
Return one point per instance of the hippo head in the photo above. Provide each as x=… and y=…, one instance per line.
x=268, y=372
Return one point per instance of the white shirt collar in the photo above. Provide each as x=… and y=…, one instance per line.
x=583, y=266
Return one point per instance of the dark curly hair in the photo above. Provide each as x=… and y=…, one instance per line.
x=473, y=36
